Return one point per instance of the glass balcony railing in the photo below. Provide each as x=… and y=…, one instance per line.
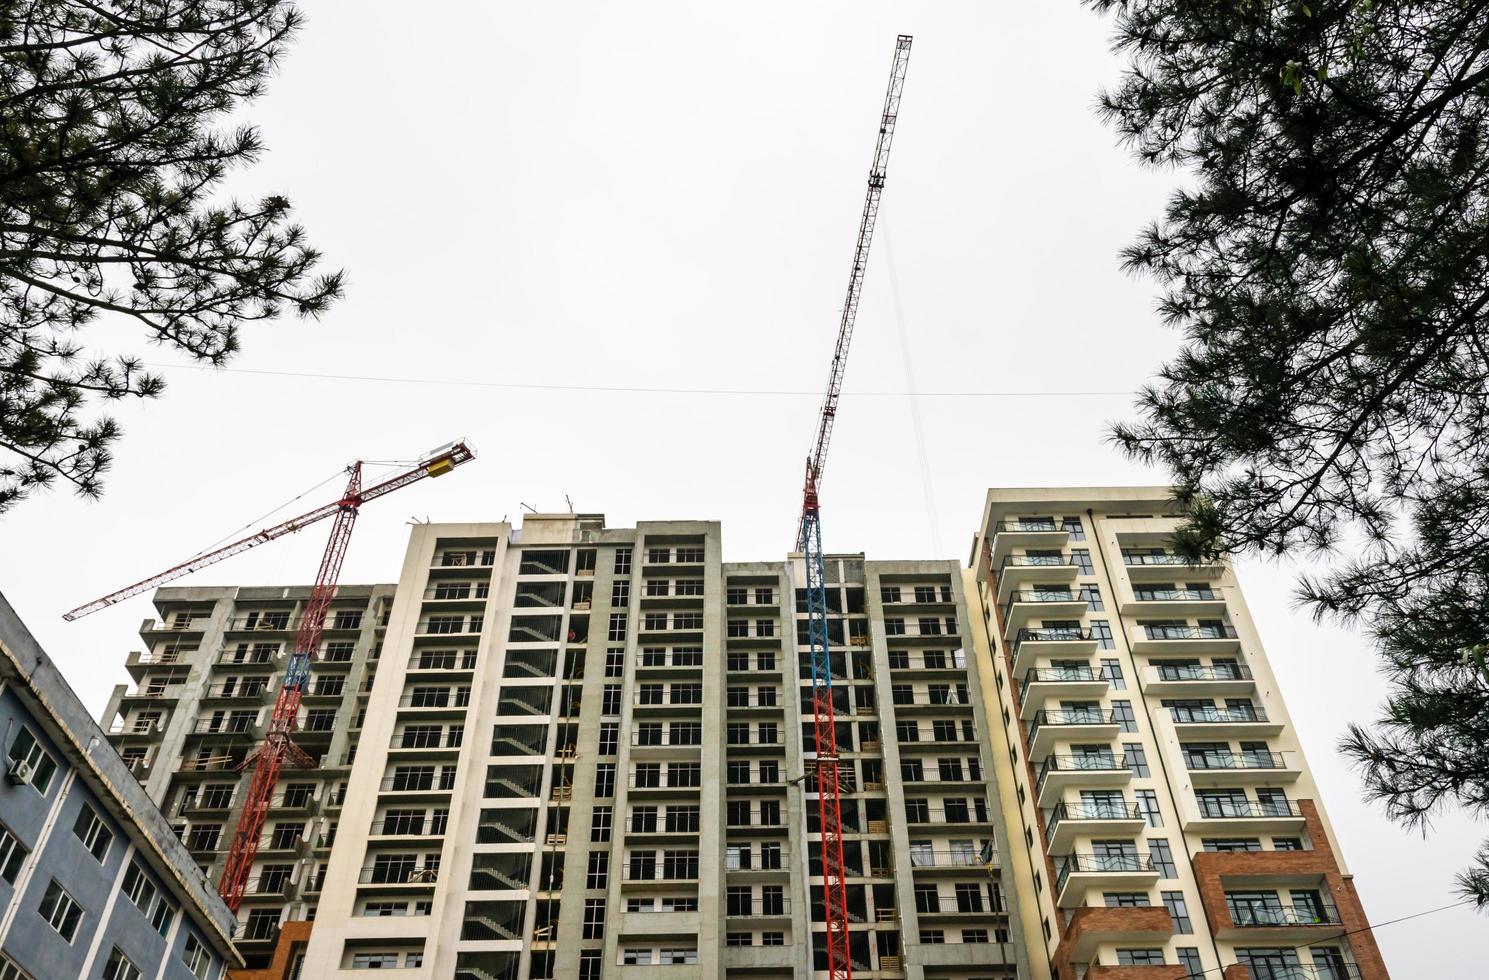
x=1078, y=763
x=1174, y=595
x=1053, y=560
x=1072, y=718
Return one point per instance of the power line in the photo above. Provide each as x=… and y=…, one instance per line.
x=1349, y=932
x=634, y=389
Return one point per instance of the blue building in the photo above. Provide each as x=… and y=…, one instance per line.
x=93, y=883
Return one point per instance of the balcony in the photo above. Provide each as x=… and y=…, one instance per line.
x=1277, y=924
x=1018, y=572
x=1120, y=872
x=1093, y=927
x=1230, y=768
x=1067, y=821
x=1037, y=534
x=1163, y=600
x=1185, y=680
x=758, y=908
x=1061, y=772
x=1024, y=605
x=1237, y=817
x=1210, y=723
x=1072, y=642
x=1186, y=640
x=1155, y=566
x=398, y=875
x=1081, y=683
x=948, y=859
x=1083, y=724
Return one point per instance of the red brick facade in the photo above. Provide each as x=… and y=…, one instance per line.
x=293, y=937
x=1215, y=871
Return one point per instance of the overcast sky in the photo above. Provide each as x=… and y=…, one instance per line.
x=649, y=195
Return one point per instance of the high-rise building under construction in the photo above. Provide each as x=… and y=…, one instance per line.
x=567, y=750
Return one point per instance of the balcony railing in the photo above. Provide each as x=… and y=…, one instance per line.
x=1079, y=763
x=443, y=660
x=1114, y=810
x=1173, y=595
x=419, y=782
x=1318, y=971
x=1235, y=760
x=448, y=740
x=943, y=815
x=1101, y=864
x=1017, y=526
x=1070, y=718
x=438, y=699
x=1052, y=634
x=1162, y=558
x=224, y=726
x=921, y=857
x=1218, y=631
x=1243, y=809
x=756, y=907
x=1056, y=675
x=1199, y=672
x=477, y=590
x=398, y=875
x=1060, y=560
x=1185, y=715
x=1262, y=916
x=408, y=827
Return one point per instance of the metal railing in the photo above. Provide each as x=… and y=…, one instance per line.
x=1235, y=760
x=1090, y=811
x=671, y=658
x=932, y=815
x=1070, y=719
x=756, y=907
x=688, y=739
x=224, y=726
x=958, y=696
x=441, y=782
x=1200, y=672
x=397, y=875
x=754, y=738
x=464, y=590
x=1162, y=558
x=682, y=870
x=1261, y=916
x=932, y=857
x=1218, y=631
x=443, y=660
x=438, y=699
x=1101, y=864
x=1058, y=675
x=1051, y=634
x=445, y=740
x=408, y=827
x=1059, y=560
x=267, y=624
x=1210, y=715
x=1174, y=595
x=1243, y=809
x=1017, y=526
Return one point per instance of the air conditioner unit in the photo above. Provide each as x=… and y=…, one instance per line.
x=20, y=772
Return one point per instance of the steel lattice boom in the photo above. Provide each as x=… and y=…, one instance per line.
x=278, y=747
x=809, y=538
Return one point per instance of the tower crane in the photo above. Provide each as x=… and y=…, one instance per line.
x=278, y=747
x=809, y=538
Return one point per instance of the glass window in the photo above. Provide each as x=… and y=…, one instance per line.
x=28, y=758
x=118, y=967
x=1163, y=858
x=1178, y=911
x=60, y=911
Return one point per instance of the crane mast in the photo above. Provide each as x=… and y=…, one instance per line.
x=809, y=539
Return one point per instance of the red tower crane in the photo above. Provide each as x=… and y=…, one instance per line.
x=278, y=746
x=809, y=537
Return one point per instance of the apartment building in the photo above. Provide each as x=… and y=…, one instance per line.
x=204, y=688
x=93, y=883
x=1165, y=822
x=588, y=754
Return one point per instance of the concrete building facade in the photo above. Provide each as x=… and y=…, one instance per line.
x=93, y=883
x=586, y=755
x=571, y=750
x=1165, y=821
x=204, y=688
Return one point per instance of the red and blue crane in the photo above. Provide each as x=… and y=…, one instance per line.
x=809, y=539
